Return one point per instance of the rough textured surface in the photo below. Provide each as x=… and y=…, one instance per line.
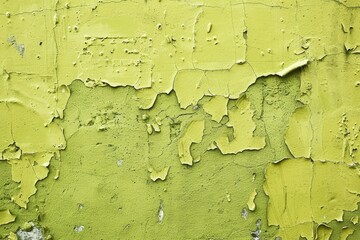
x=198, y=119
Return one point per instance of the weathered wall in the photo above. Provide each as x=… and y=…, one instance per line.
x=197, y=119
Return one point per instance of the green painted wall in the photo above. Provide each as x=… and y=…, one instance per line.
x=198, y=119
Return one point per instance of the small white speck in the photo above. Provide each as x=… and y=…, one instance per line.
x=244, y=213
x=119, y=162
x=78, y=229
x=161, y=213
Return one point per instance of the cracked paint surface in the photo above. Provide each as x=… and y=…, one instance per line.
x=196, y=119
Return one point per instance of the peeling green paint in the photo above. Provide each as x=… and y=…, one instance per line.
x=195, y=119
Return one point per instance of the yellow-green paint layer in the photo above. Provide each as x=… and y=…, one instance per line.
x=197, y=119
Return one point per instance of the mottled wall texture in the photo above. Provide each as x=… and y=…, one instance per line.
x=188, y=119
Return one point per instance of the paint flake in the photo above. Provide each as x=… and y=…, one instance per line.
x=303, y=194
x=216, y=107
x=28, y=171
x=159, y=175
x=193, y=134
x=299, y=133
x=6, y=217
x=292, y=67
x=251, y=201
x=240, y=119
x=323, y=232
